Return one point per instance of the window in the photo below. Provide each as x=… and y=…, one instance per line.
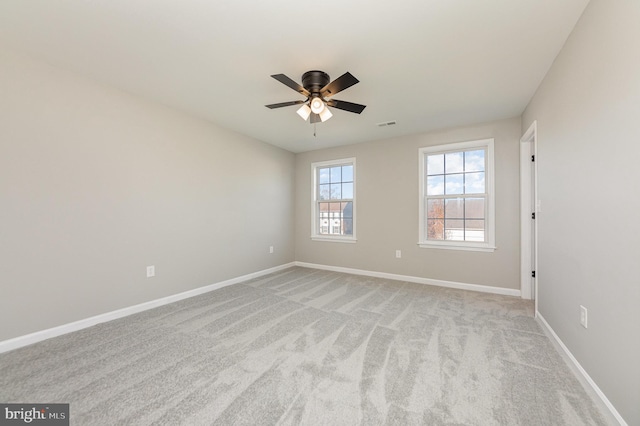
x=457, y=196
x=333, y=210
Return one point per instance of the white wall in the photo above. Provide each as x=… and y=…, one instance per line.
x=387, y=210
x=96, y=184
x=588, y=112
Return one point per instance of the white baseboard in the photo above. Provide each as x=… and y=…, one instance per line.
x=419, y=280
x=581, y=370
x=38, y=336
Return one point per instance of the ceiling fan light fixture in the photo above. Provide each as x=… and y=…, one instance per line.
x=316, y=87
x=325, y=115
x=304, y=112
x=317, y=105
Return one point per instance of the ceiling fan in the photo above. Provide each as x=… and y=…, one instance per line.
x=317, y=89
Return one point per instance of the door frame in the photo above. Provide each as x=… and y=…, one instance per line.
x=528, y=226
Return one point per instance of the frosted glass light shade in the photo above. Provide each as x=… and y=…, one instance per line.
x=304, y=112
x=317, y=105
x=325, y=115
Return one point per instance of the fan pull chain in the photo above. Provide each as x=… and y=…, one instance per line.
x=314, y=130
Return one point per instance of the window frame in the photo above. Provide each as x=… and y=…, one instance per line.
x=315, y=224
x=489, y=244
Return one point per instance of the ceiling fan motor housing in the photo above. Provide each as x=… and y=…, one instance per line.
x=314, y=81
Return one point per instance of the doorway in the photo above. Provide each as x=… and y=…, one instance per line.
x=529, y=209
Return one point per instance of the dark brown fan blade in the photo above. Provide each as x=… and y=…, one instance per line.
x=288, y=82
x=315, y=118
x=345, y=81
x=347, y=106
x=284, y=104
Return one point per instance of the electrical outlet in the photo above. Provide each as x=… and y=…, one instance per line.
x=583, y=316
x=398, y=254
x=151, y=271
x=270, y=249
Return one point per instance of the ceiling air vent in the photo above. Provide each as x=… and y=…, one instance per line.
x=387, y=123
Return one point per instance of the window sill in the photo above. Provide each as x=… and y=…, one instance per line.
x=333, y=239
x=453, y=246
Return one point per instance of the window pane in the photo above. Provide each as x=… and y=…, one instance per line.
x=347, y=190
x=474, y=208
x=323, y=175
x=435, y=229
x=324, y=192
x=474, y=230
x=435, y=209
x=347, y=173
x=453, y=162
x=454, y=209
x=454, y=230
x=347, y=225
x=435, y=164
x=435, y=185
x=474, y=161
x=454, y=184
x=336, y=174
x=323, y=218
x=474, y=183
x=347, y=210
x=336, y=227
x=336, y=191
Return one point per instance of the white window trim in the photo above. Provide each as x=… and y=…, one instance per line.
x=489, y=245
x=314, y=189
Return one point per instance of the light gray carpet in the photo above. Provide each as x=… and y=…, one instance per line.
x=311, y=347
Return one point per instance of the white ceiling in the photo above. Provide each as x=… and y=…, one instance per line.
x=428, y=64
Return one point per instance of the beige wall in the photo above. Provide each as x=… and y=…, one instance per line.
x=387, y=210
x=588, y=111
x=96, y=184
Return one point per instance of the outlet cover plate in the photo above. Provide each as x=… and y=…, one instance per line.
x=583, y=316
